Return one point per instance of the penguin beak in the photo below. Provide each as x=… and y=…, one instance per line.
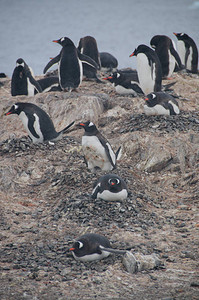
x=131, y=54
x=112, y=183
x=146, y=99
x=72, y=249
x=8, y=113
x=55, y=41
x=109, y=77
x=81, y=125
x=174, y=33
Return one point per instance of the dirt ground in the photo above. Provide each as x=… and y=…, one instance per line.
x=45, y=200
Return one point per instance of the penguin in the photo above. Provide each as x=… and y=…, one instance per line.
x=110, y=187
x=23, y=81
x=37, y=123
x=70, y=61
x=92, y=246
x=88, y=46
x=49, y=84
x=161, y=103
x=167, y=54
x=98, y=153
x=125, y=82
x=149, y=69
x=188, y=51
x=108, y=62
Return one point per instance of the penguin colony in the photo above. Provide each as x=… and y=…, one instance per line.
x=74, y=63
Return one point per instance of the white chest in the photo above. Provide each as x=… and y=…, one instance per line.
x=146, y=73
x=36, y=127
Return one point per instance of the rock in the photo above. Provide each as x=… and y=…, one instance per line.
x=138, y=262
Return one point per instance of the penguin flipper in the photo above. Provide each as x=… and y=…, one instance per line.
x=31, y=121
x=52, y=62
x=32, y=79
x=187, y=55
x=136, y=88
x=95, y=192
x=87, y=60
x=109, y=151
x=177, y=57
x=35, y=83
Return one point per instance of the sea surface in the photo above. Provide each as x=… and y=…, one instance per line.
x=27, y=27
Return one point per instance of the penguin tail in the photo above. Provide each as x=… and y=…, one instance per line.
x=116, y=251
x=66, y=128
x=118, y=153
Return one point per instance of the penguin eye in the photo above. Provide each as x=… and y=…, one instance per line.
x=90, y=124
x=16, y=106
x=80, y=244
x=118, y=75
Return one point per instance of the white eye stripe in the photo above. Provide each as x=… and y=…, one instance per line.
x=15, y=106
x=22, y=64
x=90, y=124
x=153, y=96
x=62, y=39
x=182, y=34
x=118, y=75
x=80, y=244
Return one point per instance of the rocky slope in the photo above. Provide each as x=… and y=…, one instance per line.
x=45, y=198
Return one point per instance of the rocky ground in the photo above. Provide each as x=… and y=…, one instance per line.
x=45, y=198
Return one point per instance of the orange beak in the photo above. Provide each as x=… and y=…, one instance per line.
x=106, y=78
x=131, y=54
x=146, y=99
x=55, y=41
x=72, y=249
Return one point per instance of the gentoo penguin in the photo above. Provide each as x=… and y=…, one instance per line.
x=23, y=82
x=110, y=187
x=160, y=103
x=167, y=54
x=108, y=62
x=88, y=46
x=98, y=153
x=37, y=123
x=49, y=84
x=70, y=61
x=149, y=69
x=188, y=51
x=91, y=247
x=125, y=82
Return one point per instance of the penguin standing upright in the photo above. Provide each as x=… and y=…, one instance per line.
x=148, y=68
x=187, y=51
x=160, y=103
x=23, y=82
x=91, y=247
x=37, y=123
x=168, y=56
x=98, y=152
x=110, y=187
x=125, y=82
x=70, y=64
x=88, y=46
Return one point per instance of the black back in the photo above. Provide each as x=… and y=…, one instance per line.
x=91, y=243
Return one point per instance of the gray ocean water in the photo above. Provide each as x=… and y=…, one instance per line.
x=27, y=27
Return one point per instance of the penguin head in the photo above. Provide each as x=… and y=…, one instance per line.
x=151, y=99
x=88, y=126
x=20, y=62
x=64, y=41
x=181, y=36
x=141, y=49
x=15, y=109
x=113, y=77
x=114, y=183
